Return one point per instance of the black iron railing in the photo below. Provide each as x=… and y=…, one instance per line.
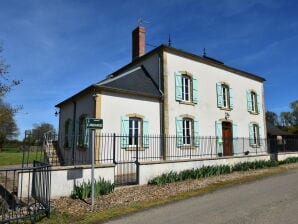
x=25, y=192
x=111, y=148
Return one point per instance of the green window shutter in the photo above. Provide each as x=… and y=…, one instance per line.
x=195, y=91
x=196, y=133
x=249, y=102
x=179, y=131
x=219, y=95
x=70, y=134
x=231, y=92
x=235, y=139
x=178, y=82
x=124, y=132
x=86, y=134
x=260, y=135
x=218, y=132
x=251, y=134
x=145, y=133
x=258, y=103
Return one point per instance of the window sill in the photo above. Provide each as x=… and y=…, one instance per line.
x=188, y=147
x=254, y=113
x=226, y=109
x=134, y=148
x=187, y=103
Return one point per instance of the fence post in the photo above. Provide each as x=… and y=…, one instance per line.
x=114, y=148
x=137, y=162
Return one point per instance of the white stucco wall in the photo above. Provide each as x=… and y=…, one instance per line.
x=148, y=171
x=115, y=105
x=84, y=105
x=206, y=111
x=63, y=179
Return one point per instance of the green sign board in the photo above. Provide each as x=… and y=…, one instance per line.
x=93, y=123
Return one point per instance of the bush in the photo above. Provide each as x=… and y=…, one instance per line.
x=205, y=171
x=245, y=166
x=101, y=187
x=289, y=160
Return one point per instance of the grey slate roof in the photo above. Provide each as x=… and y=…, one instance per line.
x=137, y=80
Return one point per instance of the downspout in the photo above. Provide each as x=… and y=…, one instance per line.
x=74, y=131
x=161, y=110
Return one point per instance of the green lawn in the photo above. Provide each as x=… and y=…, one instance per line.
x=13, y=157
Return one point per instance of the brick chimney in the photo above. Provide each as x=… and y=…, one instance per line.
x=138, y=42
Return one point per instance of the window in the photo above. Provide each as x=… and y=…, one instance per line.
x=134, y=132
x=187, y=132
x=225, y=98
x=253, y=102
x=83, y=135
x=186, y=88
x=254, y=134
x=68, y=134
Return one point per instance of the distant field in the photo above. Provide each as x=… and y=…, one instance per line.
x=12, y=156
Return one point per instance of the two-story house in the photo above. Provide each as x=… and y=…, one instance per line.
x=199, y=101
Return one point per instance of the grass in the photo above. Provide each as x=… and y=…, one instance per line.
x=98, y=217
x=12, y=156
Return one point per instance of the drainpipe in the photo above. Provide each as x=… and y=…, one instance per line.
x=74, y=131
x=161, y=110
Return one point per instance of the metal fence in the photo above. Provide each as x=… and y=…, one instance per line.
x=114, y=147
x=283, y=145
x=24, y=192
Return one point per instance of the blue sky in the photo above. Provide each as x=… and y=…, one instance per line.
x=60, y=47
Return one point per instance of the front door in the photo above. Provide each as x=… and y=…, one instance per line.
x=227, y=138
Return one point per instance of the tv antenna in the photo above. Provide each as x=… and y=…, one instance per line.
x=141, y=22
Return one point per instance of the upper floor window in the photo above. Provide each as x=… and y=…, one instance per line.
x=134, y=132
x=224, y=96
x=187, y=132
x=186, y=88
x=253, y=102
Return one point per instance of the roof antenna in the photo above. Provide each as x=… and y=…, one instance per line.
x=169, y=42
x=141, y=21
x=204, y=52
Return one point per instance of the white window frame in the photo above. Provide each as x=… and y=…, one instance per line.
x=225, y=96
x=254, y=103
x=256, y=134
x=186, y=88
x=135, y=131
x=187, y=128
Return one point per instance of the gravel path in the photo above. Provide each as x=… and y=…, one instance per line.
x=131, y=194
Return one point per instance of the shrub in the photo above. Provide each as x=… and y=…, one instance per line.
x=245, y=166
x=101, y=187
x=289, y=160
x=205, y=171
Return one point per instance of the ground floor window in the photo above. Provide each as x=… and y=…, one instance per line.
x=254, y=134
x=187, y=131
x=135, y=131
